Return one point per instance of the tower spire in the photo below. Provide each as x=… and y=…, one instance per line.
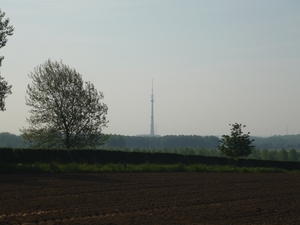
x=152, y=113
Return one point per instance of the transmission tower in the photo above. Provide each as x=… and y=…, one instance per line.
x=152, y=113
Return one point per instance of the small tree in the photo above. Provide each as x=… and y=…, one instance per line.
x=237, y=144
x=5, y=30
x=283, y=155
x=65, y=111
x=293, y=155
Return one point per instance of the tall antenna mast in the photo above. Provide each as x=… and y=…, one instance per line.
x=152, y=113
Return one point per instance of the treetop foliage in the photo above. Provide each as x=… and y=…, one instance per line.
x=5, y=30
x=66, y=112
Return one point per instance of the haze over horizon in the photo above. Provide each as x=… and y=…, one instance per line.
x=212, y=62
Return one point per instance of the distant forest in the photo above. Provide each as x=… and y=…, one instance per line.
x=11, y=141
x=276, y=142
x=120, y=142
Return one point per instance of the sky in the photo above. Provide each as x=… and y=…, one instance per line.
x=212, y=62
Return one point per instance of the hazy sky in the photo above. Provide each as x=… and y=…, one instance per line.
x=212, y=62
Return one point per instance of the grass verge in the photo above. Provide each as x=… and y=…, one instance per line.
x=99, y=168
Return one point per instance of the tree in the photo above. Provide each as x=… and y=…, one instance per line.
x=273, y=155
x=238, y=144
x=255, y=154
x=8, y=140
x=65, y=111
x=265, y=154
x=292, y=155
x=5, y=30
x=283, y=155
x=116, y=141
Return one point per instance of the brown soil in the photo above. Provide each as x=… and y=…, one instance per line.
x=150, y=198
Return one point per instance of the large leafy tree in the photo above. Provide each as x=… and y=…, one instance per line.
x=237, y=144
x=65, y=111
x=5, y=30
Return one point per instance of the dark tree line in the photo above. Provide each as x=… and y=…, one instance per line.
x=8, y=140
x=278, y=142
x=174, y=142
x=169, y=142
x=210, y=142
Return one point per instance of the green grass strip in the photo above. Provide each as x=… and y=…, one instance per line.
x=120, y=168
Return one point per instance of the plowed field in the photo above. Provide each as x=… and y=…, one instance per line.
x=150, y=198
